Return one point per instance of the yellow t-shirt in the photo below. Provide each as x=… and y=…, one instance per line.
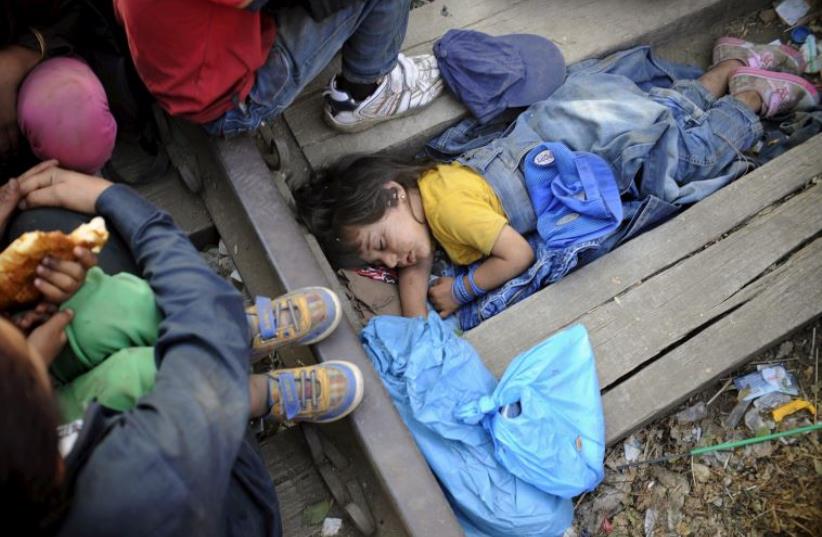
x=463, y=212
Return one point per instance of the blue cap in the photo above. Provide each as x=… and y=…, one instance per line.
x=490, y=74
x=574, y=193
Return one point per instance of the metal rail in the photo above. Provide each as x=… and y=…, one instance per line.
x=238, y=184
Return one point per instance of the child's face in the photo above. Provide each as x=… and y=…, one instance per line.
x=15, y=347
x=400, y=238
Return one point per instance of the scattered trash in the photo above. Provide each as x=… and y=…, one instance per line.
x=650, y=522
x=633, y=449
x=792, y=407
x=738, y=411
x=771, y=401
x=222, y=248
x=790, y=11
x=331, y=527
x=726, y=445
x=767, y=380
x=607, y=527
x=810, y=51
x=313, y=515
x=798, y=36
x=756, y=424
x=609, y=500
x=692, y=413
x=235, y=276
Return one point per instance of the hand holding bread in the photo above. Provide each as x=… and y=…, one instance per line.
x=41, y=264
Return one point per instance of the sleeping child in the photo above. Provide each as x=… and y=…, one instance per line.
x=604, y=158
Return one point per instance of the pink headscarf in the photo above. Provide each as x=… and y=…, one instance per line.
x=62, y=110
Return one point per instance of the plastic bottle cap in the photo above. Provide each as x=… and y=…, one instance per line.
x=800, y=34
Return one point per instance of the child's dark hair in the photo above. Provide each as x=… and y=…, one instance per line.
x=30, y=484
x=353, y=194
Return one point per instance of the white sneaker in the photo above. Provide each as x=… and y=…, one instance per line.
x=413, y=84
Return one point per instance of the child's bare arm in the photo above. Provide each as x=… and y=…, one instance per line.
x=414, y=288
x=510, y=256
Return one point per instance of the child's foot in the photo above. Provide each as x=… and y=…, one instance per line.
x=302, y=317
x=780, y=92
x=318, y=393
x=413, y=84
x=770, y=57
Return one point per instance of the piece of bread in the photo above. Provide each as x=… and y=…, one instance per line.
x=18, y=262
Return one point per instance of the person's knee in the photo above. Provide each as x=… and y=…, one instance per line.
x=63, y=111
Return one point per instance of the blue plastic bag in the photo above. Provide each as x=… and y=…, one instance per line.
x=430, y=373
x=556, y=442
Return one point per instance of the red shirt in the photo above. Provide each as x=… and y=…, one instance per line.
x=197, y=57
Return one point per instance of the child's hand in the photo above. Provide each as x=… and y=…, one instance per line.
x=48, y=339
x=47, y=185
x=27, y=320
x=58, y=280
x=442, y=298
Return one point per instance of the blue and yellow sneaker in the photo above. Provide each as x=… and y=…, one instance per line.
x=317, y=393
x=302, y=317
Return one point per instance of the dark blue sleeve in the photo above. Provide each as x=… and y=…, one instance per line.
x=170, y=458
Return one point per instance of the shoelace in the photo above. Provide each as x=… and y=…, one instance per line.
x=309, y=389
x=295, y=324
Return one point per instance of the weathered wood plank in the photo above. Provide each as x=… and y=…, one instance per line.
x=659, y=312
x=787, y=299
x=571, y=24
x=501, y=338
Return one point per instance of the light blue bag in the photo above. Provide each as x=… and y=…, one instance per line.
x=556, y=441
x=430, y=373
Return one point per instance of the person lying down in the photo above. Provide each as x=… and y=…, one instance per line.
x=577, y=174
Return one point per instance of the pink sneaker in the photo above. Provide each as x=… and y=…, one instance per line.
x=780, y=92
x=770, y=57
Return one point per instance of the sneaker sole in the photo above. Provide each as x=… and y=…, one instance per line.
x=775, y=75
x=358, y=395
x=368, y=123
x=789, y=51
x=334, y=324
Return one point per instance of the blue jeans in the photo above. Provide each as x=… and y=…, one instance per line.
x=369, y=33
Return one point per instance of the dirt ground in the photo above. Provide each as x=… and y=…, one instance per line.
x=766, y=489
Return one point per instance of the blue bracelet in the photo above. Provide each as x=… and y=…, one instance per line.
x=476, y=289
x=459, y=292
